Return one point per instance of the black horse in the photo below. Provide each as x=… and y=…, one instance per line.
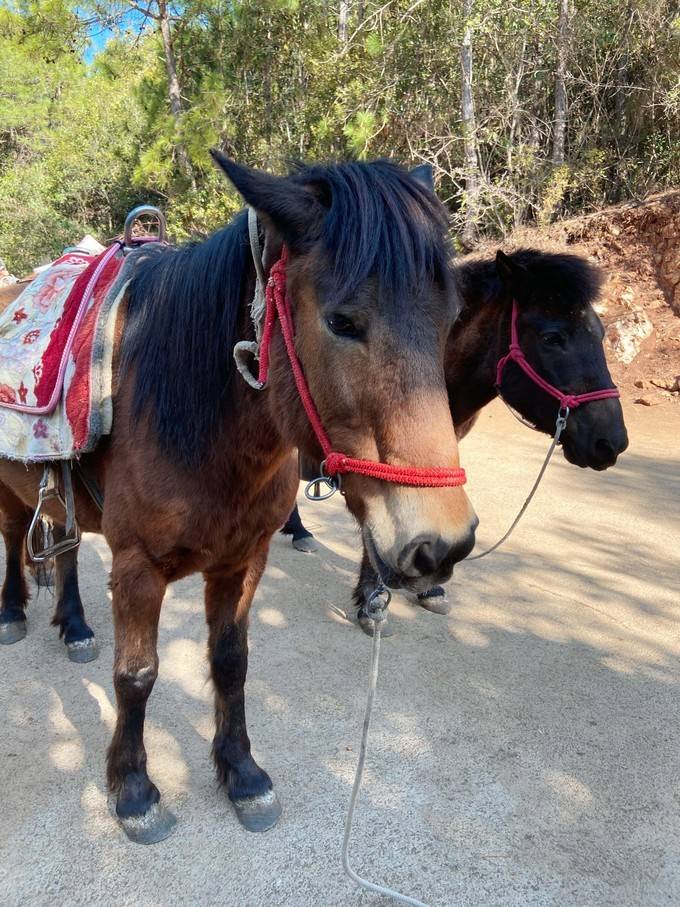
x=561, y=336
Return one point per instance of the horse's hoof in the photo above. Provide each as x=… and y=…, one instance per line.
x=306, y=544
x=12, y=632
x=155, y=825
x=258, y=813
x=435, y=601
x=82, y=650
x=367, y=625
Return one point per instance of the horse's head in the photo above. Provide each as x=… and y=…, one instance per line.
x=373, y=299
x=561, y=337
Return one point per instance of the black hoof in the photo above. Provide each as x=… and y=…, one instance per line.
x=82, y=650
x=367, y=625
x=12, y=632
x=306, y=544
x=155, y=825
x=435, y=600
x=259, y=813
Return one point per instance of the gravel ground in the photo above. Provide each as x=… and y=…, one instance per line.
x=526, y=749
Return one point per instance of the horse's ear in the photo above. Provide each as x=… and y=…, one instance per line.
x=424, y=174
x=514, y=275
x=291, y=208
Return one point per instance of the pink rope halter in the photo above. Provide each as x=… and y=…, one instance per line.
x=515, y=354
x=335, y=463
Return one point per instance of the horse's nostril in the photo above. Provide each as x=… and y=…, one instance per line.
x=423, y=556
x=431, y=556
x=428, y=556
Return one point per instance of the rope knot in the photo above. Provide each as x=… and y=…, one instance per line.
x=334, y=463
x=570, y=401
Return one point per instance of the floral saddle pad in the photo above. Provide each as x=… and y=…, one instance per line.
x=56, y=342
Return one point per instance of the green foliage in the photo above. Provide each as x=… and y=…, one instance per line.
x=82, y=141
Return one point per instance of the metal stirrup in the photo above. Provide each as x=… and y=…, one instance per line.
x=49, y=489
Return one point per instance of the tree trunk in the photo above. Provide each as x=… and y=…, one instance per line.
x=343, y=19
x=469, y=132
x=174, y=93
x=560, y=121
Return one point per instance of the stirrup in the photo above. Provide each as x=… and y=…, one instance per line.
x=49, y=489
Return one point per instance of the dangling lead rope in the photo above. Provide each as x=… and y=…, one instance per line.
x=560, y=424
x=375, y=607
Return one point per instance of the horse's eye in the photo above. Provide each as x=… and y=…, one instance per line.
x=552, y=338
x=343, y=327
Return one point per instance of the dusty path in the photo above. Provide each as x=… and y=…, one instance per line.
x=526, y=749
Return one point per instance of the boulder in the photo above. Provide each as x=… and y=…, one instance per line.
x=626, y=335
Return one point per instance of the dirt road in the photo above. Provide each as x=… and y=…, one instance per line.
x=526, y=749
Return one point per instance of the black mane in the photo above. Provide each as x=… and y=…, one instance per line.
x=184, y=303
x=558, y=278
x=180, y=330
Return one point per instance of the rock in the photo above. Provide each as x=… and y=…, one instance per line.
x=642, y=384
x=626, y=335
x=647, y=401
x=627, y=297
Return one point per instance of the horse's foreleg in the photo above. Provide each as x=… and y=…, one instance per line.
x=227, y=600
x=14, y=521
x=138, y=589
x=69, y=615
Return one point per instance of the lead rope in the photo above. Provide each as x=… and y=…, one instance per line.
x=376, y=608
x=560, y=424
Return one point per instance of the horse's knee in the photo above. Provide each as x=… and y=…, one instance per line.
x=135, y=683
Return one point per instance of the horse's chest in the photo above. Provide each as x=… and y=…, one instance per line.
x=224, y=527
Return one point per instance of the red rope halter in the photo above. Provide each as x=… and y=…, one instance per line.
x=515, y=354
x=335, y=463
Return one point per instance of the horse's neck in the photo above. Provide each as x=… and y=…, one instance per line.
x=472, y=355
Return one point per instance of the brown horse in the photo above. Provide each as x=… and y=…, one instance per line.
x=198, y=472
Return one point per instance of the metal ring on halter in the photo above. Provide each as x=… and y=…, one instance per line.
x=134, y=216
x=333, y=483
x=561, y=422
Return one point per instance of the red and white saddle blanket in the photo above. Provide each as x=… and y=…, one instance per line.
x=56, y=351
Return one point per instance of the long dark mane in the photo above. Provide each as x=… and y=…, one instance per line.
x=184, y=303
x=181, y=326
x=558, y=278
